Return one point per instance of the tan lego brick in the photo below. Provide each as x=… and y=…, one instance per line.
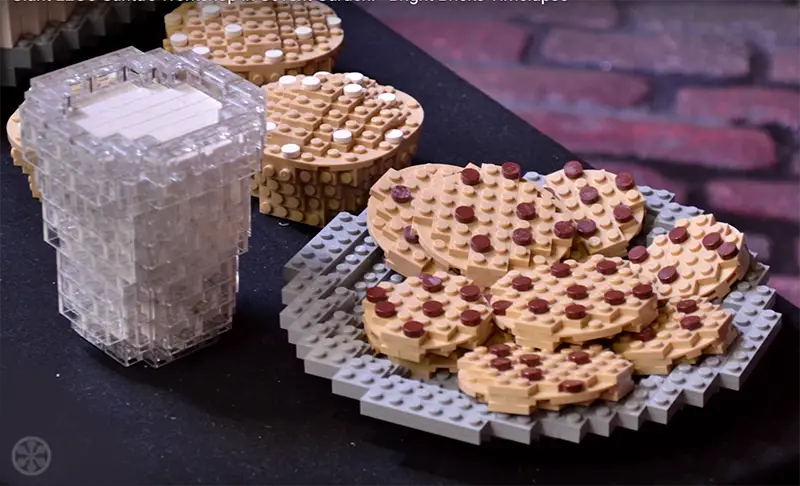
x=15, y=140
x=390, y=216
x=700, y=257
x=60, y=11
x=420, y=318
x=259, y=40
x=330, y=137
x=684, y=330
x=608, y=209
x=573, y=302
x=483, y=222
x=10, y=24
x=516, y=379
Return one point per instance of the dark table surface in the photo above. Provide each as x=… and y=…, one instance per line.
x=244, y=412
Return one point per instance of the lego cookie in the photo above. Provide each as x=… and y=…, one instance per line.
x=608, y=209
x=573, y=302
x=13, y=130
x=486, y=221
x=700, y=257
x=259, y=42
x=516, y=379
x=427, y=315
x=683, y=331
x=330, y=137
x=390, y=215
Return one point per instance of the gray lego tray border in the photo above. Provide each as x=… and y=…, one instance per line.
x=328, y=278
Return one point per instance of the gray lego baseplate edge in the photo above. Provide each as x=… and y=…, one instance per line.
x=328, y=278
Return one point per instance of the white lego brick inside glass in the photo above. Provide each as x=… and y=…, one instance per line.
x=144, y=162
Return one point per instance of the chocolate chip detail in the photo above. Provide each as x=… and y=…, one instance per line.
x=625, y=181
x=470, y=177
x=687, y=306
x=538, y=306
x=522, y=236
x=623, y=213
x=530, y=360
x=470, y=293
x=643, y=291
x=471, y=318
x=532, y=374
x=668, y=274
x=589, y=195
x=570, y=386
x=606, y=267
x=575, y=311
x=614, y=297
x=480, y=243
x=563, y=230
x=511, y=170
x=727, y=251
x=500, y=306
x=376, y=294
x=712, y=241
x=580, y=357
x=526, y=211
x=560, y=270
x=691, y=323
x=573, y=169
x=432, y=284
x=500, y=350
x=577, y=292
x=638, y=254
x=410, y=235
x=413, y=329
x=401, y=194
x=433, y=308
x=678, y=235
x=385, y=309
x=501, y=364
x=521, y=283
x=464, y=214
x=586, y=228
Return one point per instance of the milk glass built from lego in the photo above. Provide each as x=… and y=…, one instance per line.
x=144, y=163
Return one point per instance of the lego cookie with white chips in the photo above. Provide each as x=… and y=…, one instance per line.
x=684, y=330
x=390, y=216
x=516, y=379
x=486, y=221
x=700, y=257
x=429, y=314
x=573, y=302
x=608, y=209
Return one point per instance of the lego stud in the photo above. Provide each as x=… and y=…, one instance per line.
x=522, y=237
x=287, y=80
x=470, y=318
x=433, y=308
x=577, y=292
x=623, y=213
x=586, y=228
x=201, y=50
x=410, y=235
x=687, y=306
x=233, y=30
x=530, y=360
x=606, y=267
x=511, y=170
x=387, y=97
x=521, y=283
x=526, y=211
x=645, y=335
x=394, y=136
x=432, y=283
x=625, y=181
x=614, y=297
x=178, y=39
x=311, y=83
x=570, y=386
x=678, y=235
x=727, y=251
x=538, y=306
x=691, y=323
x=638, y=254
x=580, y=357
x=575, y=311
x=480, y=243
x=290, y=151
x=401, y=194
x=470, y=293
x=413, y=329
x=273, y=55
x=712, y=241
x=333, y=21
x=470, y=176
x=385, y=309
x=354, y=78
x=353, y=90
x=464, y=214
x=668, y=274
x=211, y=11
x=501, y=364
x=342, y=136
x=573, y=169
x=303, y=32
x=643, y=291
x=563, y=230
x=560, y=270
x=499, y=307
x=532, y=374
x=271, y=126
x=589, y=195
x=500, y=350
x=322, y=73
x=376, y=294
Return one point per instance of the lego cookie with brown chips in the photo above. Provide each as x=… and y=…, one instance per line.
x=485, y=221
x=516, y=379
x=608, y=209
x=427, y=315
x=573, y=302
x=390, y=216
x=700, y=257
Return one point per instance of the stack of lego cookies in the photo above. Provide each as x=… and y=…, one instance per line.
x=548, y=266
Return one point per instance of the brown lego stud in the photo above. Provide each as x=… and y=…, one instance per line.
x=683, y=331
x=700, y=257
x=491, y=223
x=259, y=41
x=516, y=379
x=574, y=302
x=13, y=130
x=390, y=222
x=330, y=137
x=430, y=315
x=609, y=209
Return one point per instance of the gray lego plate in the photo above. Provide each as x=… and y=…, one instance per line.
x=327, y=279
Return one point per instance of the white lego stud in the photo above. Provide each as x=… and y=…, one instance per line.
x=355, y=78
x=233, y=30
x=211, y=11
x=273, y=55
x=179, y=39
x=290, y=151
x=271, y=126
x=311, y=83
x=387, y=97
x=394, y=136
x=287, y=80
x=303, y=32
x=333, y=21
x=202, y=50
x=322, y=73
x=353, y=90
x=342, y=136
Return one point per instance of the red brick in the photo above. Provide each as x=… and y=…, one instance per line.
x=648, y=138
x=785, y=66
x=766, y=23
x=758, y=106
x=757, y=199
x=788, y=286
x=463, y=40
x=661, y=54
x=514, y=85
x=645, y=175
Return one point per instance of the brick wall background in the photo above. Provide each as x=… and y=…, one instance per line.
x=698, y=97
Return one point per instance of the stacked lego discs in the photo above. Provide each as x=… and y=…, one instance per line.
x=553, y=266
x=260, y=41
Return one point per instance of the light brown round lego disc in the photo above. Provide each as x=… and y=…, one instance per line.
x=260, y=41
x=700, y=257
x=390, y=215
x=330, y=137
x=684, y=330
x=573, y=302
x=516, y=379
x=433, y=315
x=608, y=209
x=486, y=221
